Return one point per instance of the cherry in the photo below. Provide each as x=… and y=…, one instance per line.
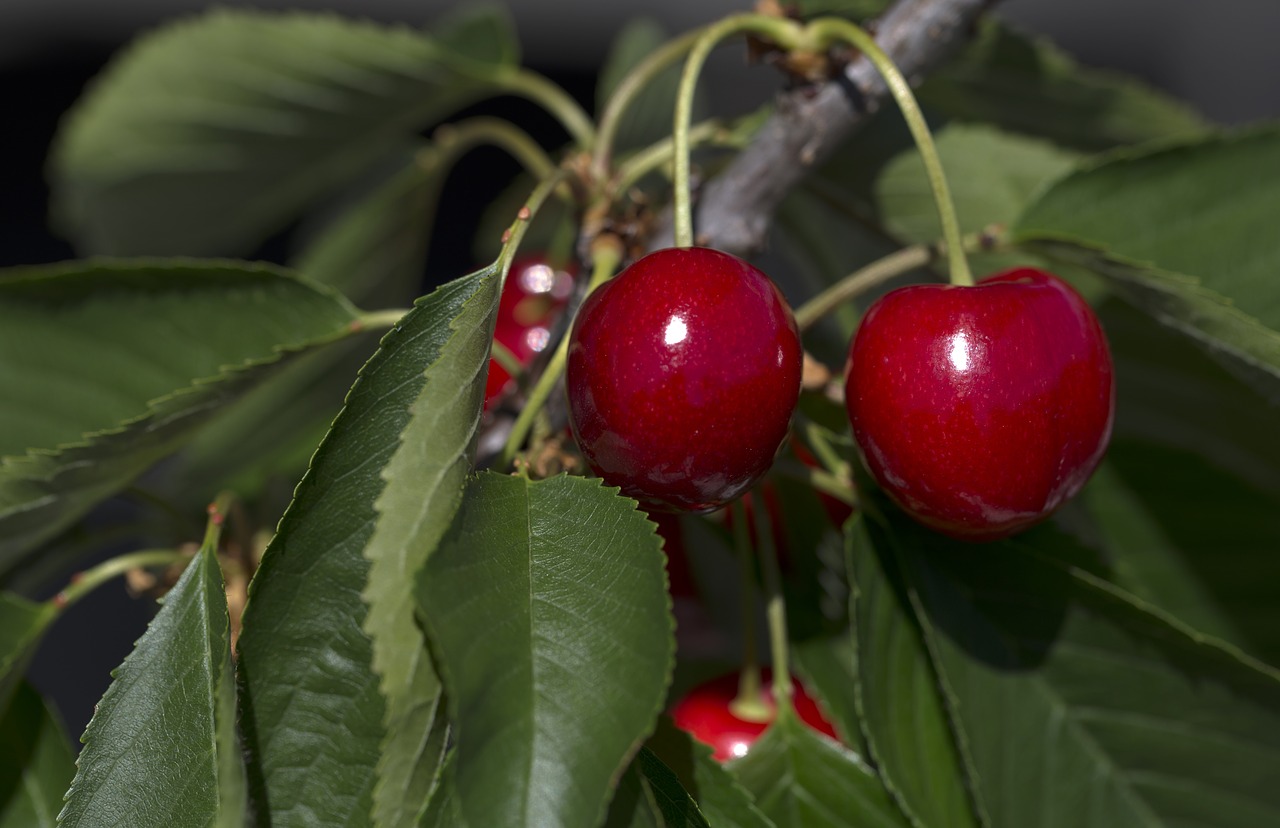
x=534, y=294
x=704, y=714
x=981, y=410
x=683, y=374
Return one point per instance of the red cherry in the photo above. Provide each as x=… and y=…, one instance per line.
x=533, y=296
x=704, y=714
x=683, y=373
x=981, y=409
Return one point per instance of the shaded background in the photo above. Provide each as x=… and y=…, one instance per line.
x=1220, y=57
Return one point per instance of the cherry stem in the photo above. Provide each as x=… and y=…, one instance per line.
x=376, y=320
x=785, y=32
x=534, y=87
x=838, y=29
x=656, y=155
x=775, y=610
x=625, y=94
x=862, y=280
x=822, y=480
x=506, y=358
x=453, y=140
x=749, y=704
x=605, y=259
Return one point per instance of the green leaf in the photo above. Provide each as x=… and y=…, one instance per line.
x=1027, y=85
x=1076, y=698
x=161, y=748
x=901, y=702
x=1193, y=540
x=424, y=483
x=577, y=646
x=312, y=708
x=109, y=366
x=802, y=779
x=992, y=175
x=211, y=133
x=441, y=810
x=22, y=624
x=36, y=762
x=650, y=794
x=1184, y=233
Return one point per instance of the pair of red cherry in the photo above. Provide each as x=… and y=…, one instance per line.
x=980, y=409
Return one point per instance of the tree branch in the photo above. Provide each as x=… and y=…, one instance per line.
x=736, y=208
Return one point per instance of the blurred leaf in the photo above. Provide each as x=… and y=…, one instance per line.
x=802, y=779
x=650, y=794
x=1171, y=392
x=577, y=644
x=36, y=762
x=22, y=624
x=161, y=748
x=992, y=175
x=424, y=480
x=1184, y=233
x=109, y=366
x=903, y=705
x=313, y=714
x=1193, y=540
x=373, y=251
x=1074, y=697
x=441, y=810
x=1027, y=85
x=829, y=667
x=212, y=133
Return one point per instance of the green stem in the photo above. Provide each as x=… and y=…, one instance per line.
x=625, y=93
x=785, y=32
x=831, y=28
x=775, y=611
x=865, y=278
x=540, y=90
x=453, y=140
x=750, y=703
x=821, y=480
x=660, y=153
x=379, y=319
x=89, y=580
x=504, y=357
x=605, y=262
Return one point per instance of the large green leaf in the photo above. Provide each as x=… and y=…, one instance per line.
x=36, y=762
x=312, y=708
x=1183, y=232
x=1076, y=699
x=424, y=482
x=1027, y=85
x=211, y=133
x=22, y=624
x=802, y=779
x=161, y=748
x=902, y=703
x=563, y=582
x=110, y=365
x=1199, y=543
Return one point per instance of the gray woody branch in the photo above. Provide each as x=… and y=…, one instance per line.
x=735, y=209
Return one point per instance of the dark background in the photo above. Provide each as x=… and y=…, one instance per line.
x=1220, y=57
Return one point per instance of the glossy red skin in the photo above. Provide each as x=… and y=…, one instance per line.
x=704, y=714
x=981, y=410
x=527, y=309
x=683, y=374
